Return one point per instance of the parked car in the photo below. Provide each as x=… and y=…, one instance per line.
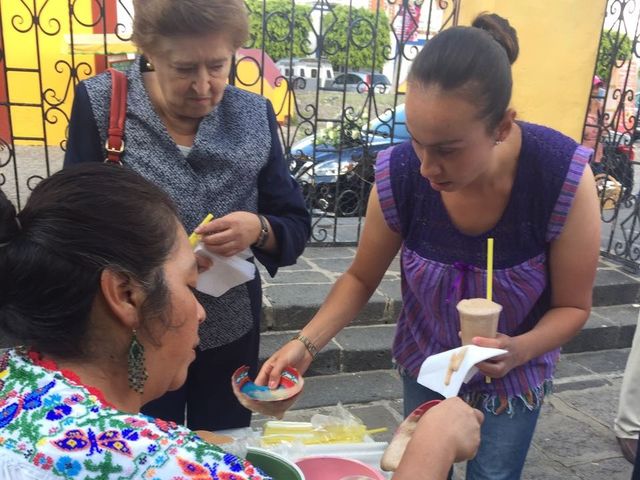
x=338, y=180
x=360, y=82
x=307, y=68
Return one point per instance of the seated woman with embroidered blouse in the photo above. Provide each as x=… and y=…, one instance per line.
x=97, y=279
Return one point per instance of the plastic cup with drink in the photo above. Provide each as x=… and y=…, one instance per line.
x=479, y=316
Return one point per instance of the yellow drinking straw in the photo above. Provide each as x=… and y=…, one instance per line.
x=490, y=269
x=487, y=379
x=194, y=238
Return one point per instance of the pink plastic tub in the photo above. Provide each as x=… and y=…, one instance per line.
x=335, y=468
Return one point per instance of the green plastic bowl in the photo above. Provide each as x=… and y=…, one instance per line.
x=277, y=467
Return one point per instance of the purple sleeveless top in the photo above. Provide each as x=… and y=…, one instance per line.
x=441, y=265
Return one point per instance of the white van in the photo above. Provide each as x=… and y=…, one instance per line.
x=308, y=69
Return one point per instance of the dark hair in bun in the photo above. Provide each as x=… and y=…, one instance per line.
x=502, y=32
x=474, y=60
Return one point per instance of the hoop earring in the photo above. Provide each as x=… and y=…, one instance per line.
x=137, y=373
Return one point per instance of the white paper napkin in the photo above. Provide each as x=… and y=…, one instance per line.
x=434, y=369
x=226, y=272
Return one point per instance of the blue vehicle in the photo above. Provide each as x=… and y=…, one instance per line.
x=338, y=179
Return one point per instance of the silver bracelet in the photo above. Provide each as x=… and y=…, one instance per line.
x=309, y=345
x=264, y=232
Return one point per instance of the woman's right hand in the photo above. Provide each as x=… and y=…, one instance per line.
x=445, y=434
x=293, y=354
x=455, y=424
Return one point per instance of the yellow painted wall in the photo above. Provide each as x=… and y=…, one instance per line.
x=249, y=79
x=24, y=87
x=20, y=51
x=558, y=47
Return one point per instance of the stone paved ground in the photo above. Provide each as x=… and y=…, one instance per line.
x=574, y=439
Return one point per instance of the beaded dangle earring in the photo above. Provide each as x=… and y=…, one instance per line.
x=137, y=372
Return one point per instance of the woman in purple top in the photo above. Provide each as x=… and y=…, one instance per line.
x=472, y=172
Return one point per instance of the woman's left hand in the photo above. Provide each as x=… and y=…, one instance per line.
x=498, y=367
x=275, y=409
x=231, y=234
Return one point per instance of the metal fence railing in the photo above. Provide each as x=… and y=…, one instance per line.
x=612, y=129
x=334, y=72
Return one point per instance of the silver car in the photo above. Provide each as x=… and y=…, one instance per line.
x=360, y=82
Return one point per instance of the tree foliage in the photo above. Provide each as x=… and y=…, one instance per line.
x=615, y=49
x=356, y=38
x=353, y=38
x=284, y=28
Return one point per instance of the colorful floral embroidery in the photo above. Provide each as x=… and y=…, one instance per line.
x=67, y=466
x=52, y=401
x=33, y=399
x=136, y=422
x=164, y=425
x=58, y=412
x=74, y=399
x=194, y=470
x=54, y=422
x=111, y=440
x=8, y=414
x=147, y=433
x=229, y=476
x=43, y=461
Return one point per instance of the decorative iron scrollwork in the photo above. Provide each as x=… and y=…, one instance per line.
x=309, y=104
x=614, y=115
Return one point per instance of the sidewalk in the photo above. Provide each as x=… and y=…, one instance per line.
x=574, y=439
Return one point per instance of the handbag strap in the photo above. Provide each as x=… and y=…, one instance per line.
x=117, y=115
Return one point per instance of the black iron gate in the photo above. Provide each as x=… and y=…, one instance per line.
x=339, y=71
x=612, y=129
x=338, y=111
